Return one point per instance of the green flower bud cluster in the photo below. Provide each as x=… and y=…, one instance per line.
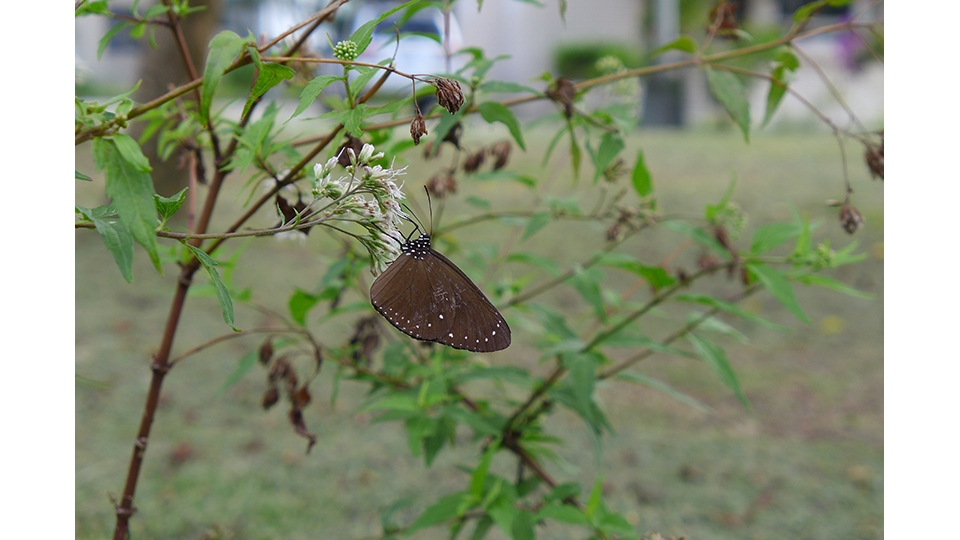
x=346, y=51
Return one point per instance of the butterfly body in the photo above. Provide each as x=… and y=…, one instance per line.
x=427, y=297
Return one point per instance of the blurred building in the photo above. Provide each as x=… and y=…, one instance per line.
x=537, y=39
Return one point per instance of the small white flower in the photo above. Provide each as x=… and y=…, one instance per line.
x=366, y=153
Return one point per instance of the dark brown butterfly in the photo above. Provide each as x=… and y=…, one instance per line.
x=428, y=298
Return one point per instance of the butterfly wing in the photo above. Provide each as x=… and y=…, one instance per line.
x=427, y=297
x=404, y=295
x=477, y=325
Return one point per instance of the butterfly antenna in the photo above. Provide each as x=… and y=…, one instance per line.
x=430, y=206
x=414, y=220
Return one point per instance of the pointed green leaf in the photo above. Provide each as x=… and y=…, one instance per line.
x=661, y=386
x=269, y=76
x=564, y=513
x=778, y=285
x=610, y=146
x=770, y=236
x=224, y=49
x=832, y=284
x=683, y=43
x=732, y=94
x=363, y=35
x=116, y=237
x=537, y=222
x=594, y=499
x=131, y=152
x=168, y=206
x=300, y=303
x=312, y=90
x=699, y=235
x=223, y=294
x=716, y=358
x=523, y=524
x=587, y=283
x=243, y=367
x=733, y=309
x=446, y=508
x=491, y=111
x=642, y=181
x=131, y=192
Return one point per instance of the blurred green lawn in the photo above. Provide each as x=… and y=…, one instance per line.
x=805, y=462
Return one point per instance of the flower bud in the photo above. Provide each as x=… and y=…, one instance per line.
x=345, y=51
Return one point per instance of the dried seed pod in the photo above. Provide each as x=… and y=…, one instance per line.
x=270, y=397
x=449, y=94
x=850, y=218
x=874, y=159
x=418, y=128
x=365, y=339
x=266, y=352
x=474, y=161
x=301, y=397
x=501, y=151
x=563, y=93
x=724, y=14
x=453, y=136
x=441, y=184
x=614, y=232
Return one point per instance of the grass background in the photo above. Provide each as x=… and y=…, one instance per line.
x=805, y=462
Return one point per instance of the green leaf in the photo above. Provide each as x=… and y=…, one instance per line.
x=223, y=294
x=113, y=31
x=543, y=263
x=363, y=35
x=610, y=146
x=587, y=283
x=778, y=285
x=594, y=499
x=656, y=276
x=243, y=367
x=537, y=222
x=832, y=284
x=115, y=235
x=446, y=508
x=311, y=91
x=224, y=49
x=661, y=386
x=131, y=152
x=699, y=235
x=683, y=43
x=168, y=206
x=270, y=75
x=523, y=526
x=300, y=304
x=733, y=309
x=131, y=192
x=564, y=513
x=770, y=236
x=732, y=94
x=642, y=181
x=479, y=477
x=552, y=322
x=716, y=358
x=491, y=111
x=786, y=63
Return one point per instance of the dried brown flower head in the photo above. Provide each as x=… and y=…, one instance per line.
x=724, y=15
x=453, y=136
x=563, y=93
x=875, y=160
x=474, y=161
x=366, y=337
x=418, y=128
x=441, y=184
x=449, y=95
x=501, y=152
x=850, y=218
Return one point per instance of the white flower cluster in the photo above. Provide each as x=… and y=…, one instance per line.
x=380, y=215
